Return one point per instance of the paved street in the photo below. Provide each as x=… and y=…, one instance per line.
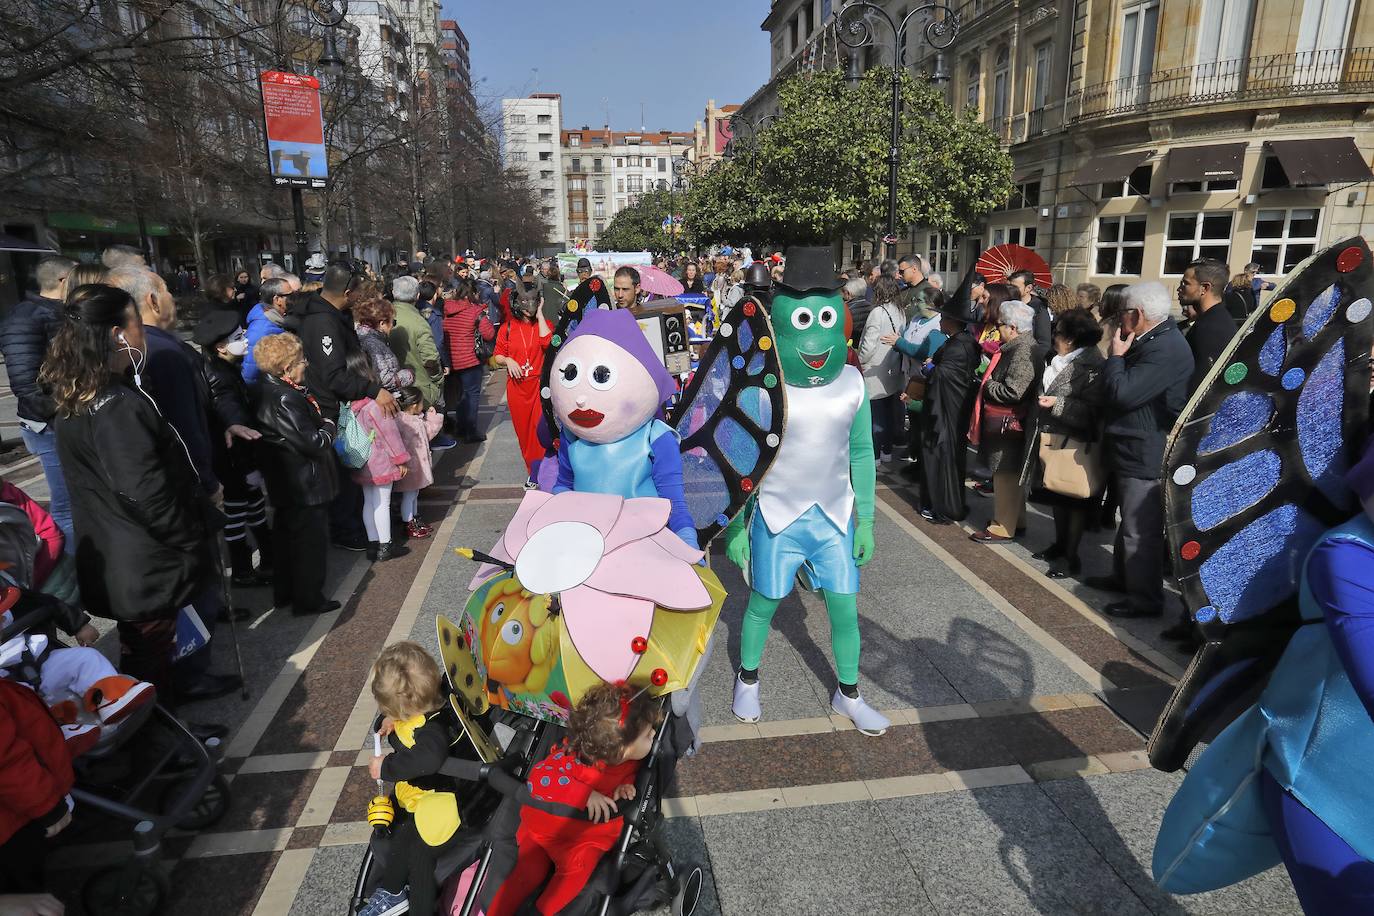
x=1008, y=784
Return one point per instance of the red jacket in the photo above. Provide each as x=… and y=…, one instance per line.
x=35, y=768
x=461, y=320
x=43, y=525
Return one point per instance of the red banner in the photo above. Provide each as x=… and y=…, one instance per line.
x=295, y=129
x=724, y=134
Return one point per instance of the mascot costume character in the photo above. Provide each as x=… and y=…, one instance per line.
x=1270, y=510
x=801, y=520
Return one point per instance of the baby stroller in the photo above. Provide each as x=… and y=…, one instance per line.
x=489, y=768
x=153, y=775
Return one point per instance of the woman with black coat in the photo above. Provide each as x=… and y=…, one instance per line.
x=297, y=457
x=144, y=528
x=233, y=442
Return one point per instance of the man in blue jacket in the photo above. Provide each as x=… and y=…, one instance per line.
x=24, y=340
x=265, y=319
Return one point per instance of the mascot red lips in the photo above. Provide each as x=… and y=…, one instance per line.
x=586, y=418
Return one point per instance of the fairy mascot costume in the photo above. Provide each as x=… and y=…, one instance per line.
x=813, y=514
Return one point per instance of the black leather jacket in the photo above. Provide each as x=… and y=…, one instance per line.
x=296, y=452
x=228, y=407
x=24, y=340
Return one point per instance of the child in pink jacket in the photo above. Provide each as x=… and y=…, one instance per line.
x=418, y=426
x=386, y=465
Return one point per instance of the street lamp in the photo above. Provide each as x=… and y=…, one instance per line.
x=855, y=30
x=684, y=171
x=744, y=132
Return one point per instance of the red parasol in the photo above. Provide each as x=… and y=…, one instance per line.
x=1001, y=260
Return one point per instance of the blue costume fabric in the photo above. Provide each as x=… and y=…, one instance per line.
x=1286, y=780
x=812, y=541
x=647, y=462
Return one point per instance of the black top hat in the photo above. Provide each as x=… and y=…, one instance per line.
x=959, y=304
x=810, y=267
x=215, y=326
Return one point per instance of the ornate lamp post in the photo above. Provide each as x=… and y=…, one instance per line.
x=744, y=132
x=854, y=27
x=684, y=172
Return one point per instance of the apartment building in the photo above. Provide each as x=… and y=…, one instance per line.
x=1144, y=135
x=531, y=133
x=605, y=171
x=713, y=132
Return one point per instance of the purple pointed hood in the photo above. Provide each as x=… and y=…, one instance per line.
x=620, y=328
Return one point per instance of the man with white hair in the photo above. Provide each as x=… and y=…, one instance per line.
x=117, y=256
x=855, y=296
x=274, y=271
x=412, y=341
x=1144, y=388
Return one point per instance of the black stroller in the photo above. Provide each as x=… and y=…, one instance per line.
x=637, y=874
x=153, y=775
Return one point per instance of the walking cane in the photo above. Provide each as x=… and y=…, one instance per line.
x=229, y=610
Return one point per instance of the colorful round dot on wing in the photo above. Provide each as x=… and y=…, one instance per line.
x=737, y=362
x=563, y=780
x=1357, y=311
x=1349, y=259
x=1190, y=550
x=722, y=519
x=1205, y=614
x=770, y=380
x=557, y=340
x=639, y=645
x=725, y=330
x=659, y=677
x=544, y=781
x=572, y=305
x=1282, y=310
x=1235, y=373
x=749, y=309
x=765, y=343
x=1293, y=379
x=772, y=440
x=545, y=393
x=1185, y=475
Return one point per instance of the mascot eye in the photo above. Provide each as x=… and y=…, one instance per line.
x=569, y=373
x=801, y=319
x=512, y=632
x=603, y=377
x=827, y=317
x=498, y=612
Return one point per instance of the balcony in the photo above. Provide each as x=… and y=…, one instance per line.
x=1301, y=75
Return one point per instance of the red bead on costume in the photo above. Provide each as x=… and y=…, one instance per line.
x=659, y=677
x=639, y=645
x=746, y=485
x=1190, y=550
x=749, y=309
x=1349, y=259
x=594, y=285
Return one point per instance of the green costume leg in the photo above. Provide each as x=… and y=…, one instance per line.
x=758, y=620
x=844, y=635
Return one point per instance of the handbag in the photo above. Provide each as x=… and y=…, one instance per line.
x=353, y=443
x=999, y=423
x=916, y=388
x=482, y=349
x=1072, y=467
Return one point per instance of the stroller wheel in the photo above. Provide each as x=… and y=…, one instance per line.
x=688, y=892
x=124, y=890
x=208, y=809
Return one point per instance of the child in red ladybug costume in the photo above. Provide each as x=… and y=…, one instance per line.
x=35, y=777
x=609, y=733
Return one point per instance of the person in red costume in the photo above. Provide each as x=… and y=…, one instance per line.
x=610, y=731
x=520, y=347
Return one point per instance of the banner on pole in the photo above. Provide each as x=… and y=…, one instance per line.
x=295, y=130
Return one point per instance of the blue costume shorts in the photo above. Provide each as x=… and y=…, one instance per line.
x=812, y=541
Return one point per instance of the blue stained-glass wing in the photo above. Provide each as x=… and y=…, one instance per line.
x=730, y=418
x=1253, y=475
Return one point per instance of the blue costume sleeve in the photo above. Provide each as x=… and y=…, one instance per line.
x=1338, y=574
x=906, y=347
x=667, y=461
x=565, y=468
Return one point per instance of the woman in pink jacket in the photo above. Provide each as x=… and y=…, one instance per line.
x=418, y=426
x=385, y=465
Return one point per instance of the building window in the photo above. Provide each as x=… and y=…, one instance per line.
x=636, y=161
x=546, y=157
x=519, y=156
x=546, y=138
x=1283, y=238
x=596, y=165
x=599, y=208
x=620, y=185
x=577, y=184
x=578, y=206
x=1138, y=24
x=1193, y=187
x=974, y=86
x=598, y=187
x=619, y=162
x=600, y=228
x=636, y=183
x=545, y=119
x=1026, y=194
x=1015, y=235
x=1138, y=185
x=575, y=140
x=1120, y=246
x=1001, y=79
x=1040, y=83
x=943, y=251
x=517, y=119
x=1189, y=236
x=546, y=173
x=576, y=164
x=663, y=164
x=546, y=192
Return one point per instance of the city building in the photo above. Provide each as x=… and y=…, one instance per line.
x=1144, y=135
x=384, y=52
x=713, y=132
x=605, y=171
x=531, y=131
x=464, y=120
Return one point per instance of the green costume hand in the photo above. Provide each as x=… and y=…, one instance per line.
x=737, y=537
x=863, y=542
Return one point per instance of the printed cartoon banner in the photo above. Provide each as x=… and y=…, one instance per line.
x=295, y=129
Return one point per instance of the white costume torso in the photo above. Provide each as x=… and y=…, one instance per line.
x=812, y=466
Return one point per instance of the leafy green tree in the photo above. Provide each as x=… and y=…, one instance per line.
x=819, y=171
x=639, y=227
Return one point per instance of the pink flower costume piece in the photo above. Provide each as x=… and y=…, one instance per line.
x=612, y=563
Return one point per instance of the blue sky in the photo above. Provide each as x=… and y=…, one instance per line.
x=671, y=57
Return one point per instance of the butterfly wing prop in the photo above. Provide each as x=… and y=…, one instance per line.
x=1253, y=477
x=591, y=293
x=730, y=419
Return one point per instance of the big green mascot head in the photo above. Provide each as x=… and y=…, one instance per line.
x=808, y=319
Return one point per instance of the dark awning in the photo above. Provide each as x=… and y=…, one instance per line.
x=1110, y=168
x=1219, y=162
x=10, y=243
x=1325, y=161
x=1027, y=174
